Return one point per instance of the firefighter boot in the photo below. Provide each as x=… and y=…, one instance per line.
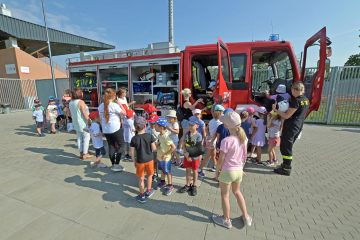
x=284, y=169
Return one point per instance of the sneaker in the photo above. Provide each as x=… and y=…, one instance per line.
x=184, y=189
x=160, y=185
x=117, y=168
x=193, y=191
x=201, y=173
x=219, y=220
x=101, y=165
x=247, y=221
x=86, y=156
x=127, y=157
x=268, y=163
x=148, y=194
x=213, y=169
x=141, y=198
x=282, y=171
x=168, y=190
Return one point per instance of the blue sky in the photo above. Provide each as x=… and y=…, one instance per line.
x=134, y=24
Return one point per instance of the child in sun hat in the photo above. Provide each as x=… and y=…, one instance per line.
x=230, y=169
x=164, y=151
x=192, y=144
x=38, y=115
x=210, y=141
x=258, y=134
x=174, y=130
x=97, y=139
x=201, y=129
x=51, y=114
x=129, y=131
x=144, y=146
x=151, y=129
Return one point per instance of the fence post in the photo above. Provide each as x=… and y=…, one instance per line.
x=335, y=75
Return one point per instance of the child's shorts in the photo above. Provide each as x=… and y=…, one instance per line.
x=209, y=144
x=39, y=124
x=192, y=163
x=229, y=177
x=100, y=151
x=52, y=120
x=164, y=166
x=143, y=169
x=274, y=141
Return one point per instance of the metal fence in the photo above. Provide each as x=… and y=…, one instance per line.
x=340, y=102
x=21, y=93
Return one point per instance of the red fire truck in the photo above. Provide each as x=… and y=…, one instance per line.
x=242, y=71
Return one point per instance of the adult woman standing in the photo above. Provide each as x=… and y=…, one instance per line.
x=80, y=118
x=110, y=113
x=187, y=108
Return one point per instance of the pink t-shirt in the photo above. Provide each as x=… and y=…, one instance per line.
x=235, y=153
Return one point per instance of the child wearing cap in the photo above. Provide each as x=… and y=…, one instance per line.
x=193, y=151
x=97, y=139
x=230, y=169
x=144, y=146
x=174, y=130
x=164, y=151
x=201, y=129
x=51, y=114
x=210, y=141
x=151, y=129
x=38, y=115
x=129, y=131
x=258, y=134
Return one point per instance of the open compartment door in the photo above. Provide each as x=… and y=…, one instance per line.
x=313, y=77
x=224, y=73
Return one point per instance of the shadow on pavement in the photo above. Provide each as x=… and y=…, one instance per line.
x=260, y=169
x=28, y=130
x=58, y=156
x=122, y=188
x=352, y=130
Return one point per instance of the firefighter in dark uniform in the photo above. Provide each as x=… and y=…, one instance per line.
x=293, y=124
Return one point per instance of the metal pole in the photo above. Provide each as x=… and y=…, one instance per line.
x=171, y=21
x=50, y=55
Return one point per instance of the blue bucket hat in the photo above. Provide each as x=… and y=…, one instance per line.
x=228, y=110
x=193, y=120
x=163, y=122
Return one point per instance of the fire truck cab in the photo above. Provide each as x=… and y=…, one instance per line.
x=242, y=72
x=250, y=71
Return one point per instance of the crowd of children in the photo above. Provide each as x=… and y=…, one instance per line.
x=153, y=143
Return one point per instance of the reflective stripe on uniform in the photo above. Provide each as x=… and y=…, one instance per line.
x=287, y=157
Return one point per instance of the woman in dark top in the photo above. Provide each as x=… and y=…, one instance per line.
x=187, y=108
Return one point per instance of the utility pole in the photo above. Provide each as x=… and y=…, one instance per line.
x=49, y=47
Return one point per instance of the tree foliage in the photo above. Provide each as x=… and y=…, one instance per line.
x=354, y=60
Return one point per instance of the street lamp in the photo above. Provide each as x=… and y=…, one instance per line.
x=48, y=42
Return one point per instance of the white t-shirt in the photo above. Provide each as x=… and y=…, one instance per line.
x=122, y=101
x=39, y=115
x=275, y=130
x=52, y=110
x=129, y=129
x=96, y=135
x=173, y=136
x=213, y=125
x=114, y=118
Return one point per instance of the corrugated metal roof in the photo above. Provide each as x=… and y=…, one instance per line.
x=23, y=30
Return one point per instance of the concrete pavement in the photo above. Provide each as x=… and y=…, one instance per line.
x=46, y=192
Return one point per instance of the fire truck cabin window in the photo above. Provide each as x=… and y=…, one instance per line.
x=269, y=69
x=238, y=64
x=225, y=68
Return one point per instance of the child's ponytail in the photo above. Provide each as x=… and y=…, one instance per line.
x=240, y=133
